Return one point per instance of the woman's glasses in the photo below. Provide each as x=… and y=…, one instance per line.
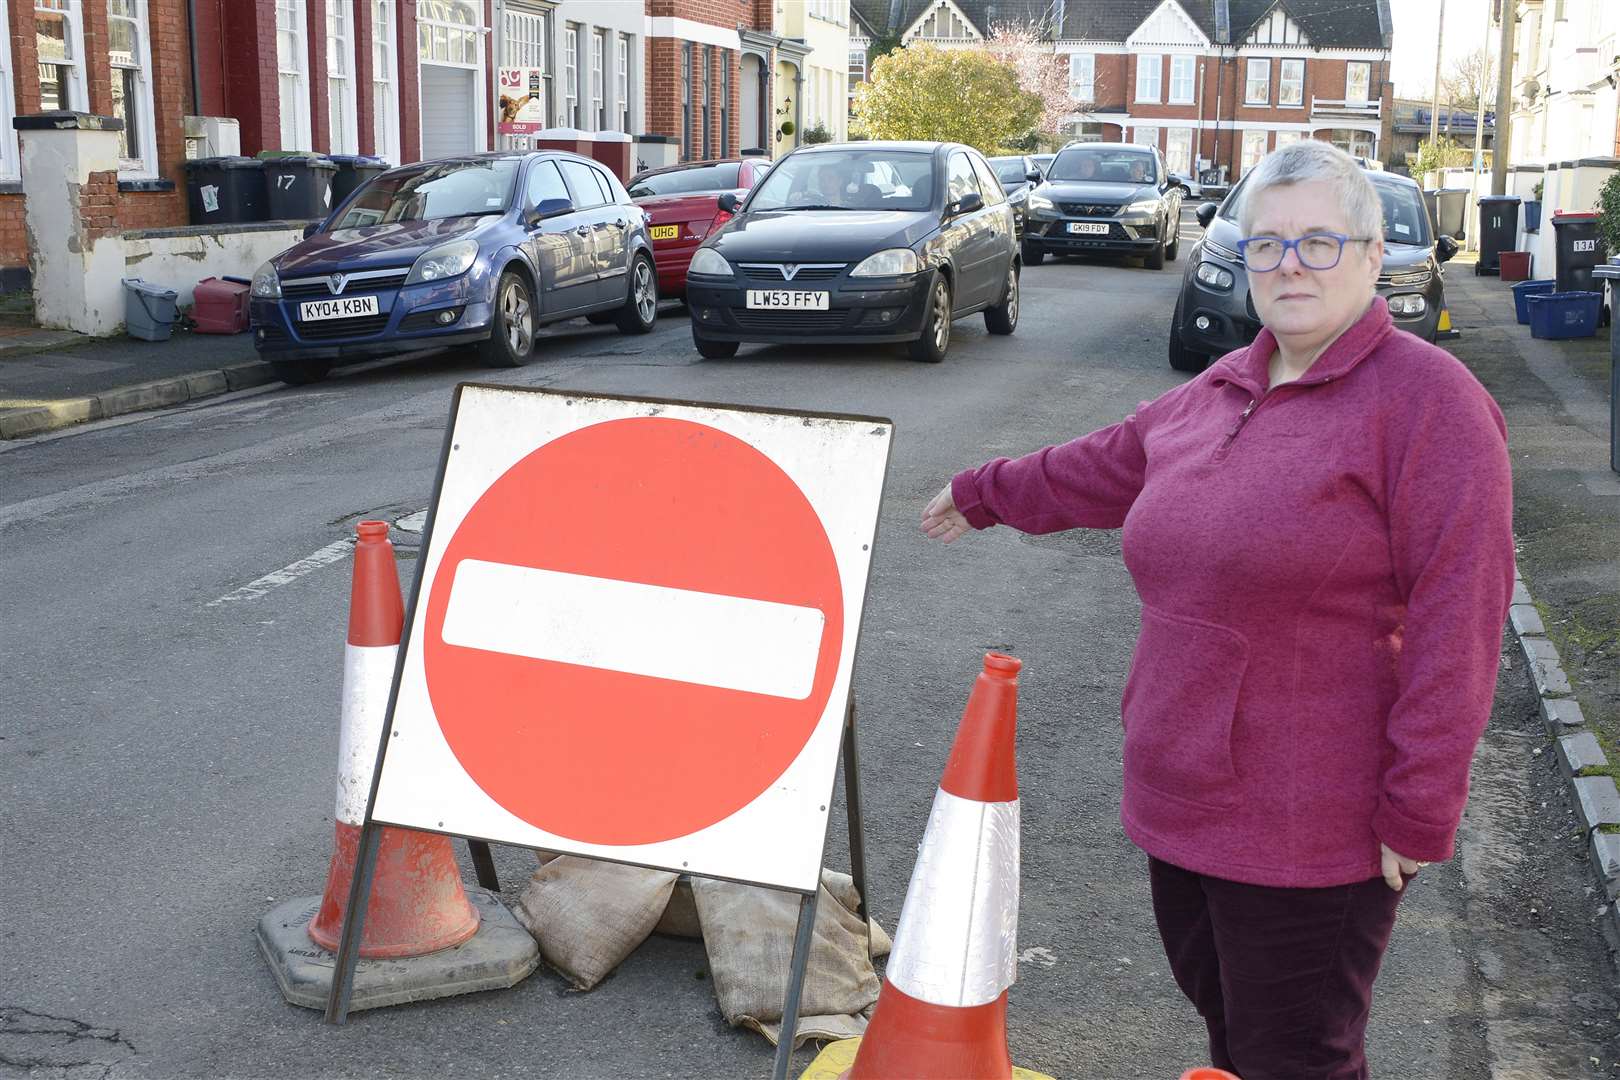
x=1316, y=251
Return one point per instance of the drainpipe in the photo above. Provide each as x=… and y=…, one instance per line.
x=1220, y=75
x=1198, y=142
x=191, y=37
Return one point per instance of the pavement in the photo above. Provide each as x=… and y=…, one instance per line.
x=53, y=379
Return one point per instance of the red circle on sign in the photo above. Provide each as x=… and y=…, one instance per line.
x=603, y=756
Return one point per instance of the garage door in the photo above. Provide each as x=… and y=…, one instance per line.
x=449, y=125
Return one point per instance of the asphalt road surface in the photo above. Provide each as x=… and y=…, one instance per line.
x=167, y=766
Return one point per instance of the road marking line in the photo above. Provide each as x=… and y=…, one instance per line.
x=326, y=556
x=710, y=639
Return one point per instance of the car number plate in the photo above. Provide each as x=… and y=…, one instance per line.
x=664, y=232
x=790, y=299
x=343, y=307
x=1088, y=228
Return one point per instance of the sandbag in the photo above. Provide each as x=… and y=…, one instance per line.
x=587, y=916
x=748, y=933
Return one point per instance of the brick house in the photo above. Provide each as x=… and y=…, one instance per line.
x=1212, y=83
x=693, y=73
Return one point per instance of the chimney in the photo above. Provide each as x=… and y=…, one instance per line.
x=1058, y=13
x=1223, y=22
x=894, y=26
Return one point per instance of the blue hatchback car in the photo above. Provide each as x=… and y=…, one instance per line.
x=478, y=250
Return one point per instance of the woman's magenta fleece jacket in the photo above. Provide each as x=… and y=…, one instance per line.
x=1324, y=572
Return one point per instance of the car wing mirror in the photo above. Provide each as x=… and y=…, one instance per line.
x=1445, y=248
x=729, y=202
x=1206, y=214
x=312, y=228
x=967, y=203
x=1033, y=176
x=548, y=208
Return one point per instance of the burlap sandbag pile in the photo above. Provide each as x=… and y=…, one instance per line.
x=588, y=916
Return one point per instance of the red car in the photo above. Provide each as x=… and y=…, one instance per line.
x=683, y=207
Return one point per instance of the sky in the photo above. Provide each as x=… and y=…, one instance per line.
x=1417, y=25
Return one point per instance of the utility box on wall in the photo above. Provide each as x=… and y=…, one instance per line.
x=212, y=136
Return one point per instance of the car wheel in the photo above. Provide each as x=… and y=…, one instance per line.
x=300, y=372
x=511, y=331
x=930, y=346
x=710, y=349
x=1174, y=248
x=1032, y=255
x=1003, y=318
x=1182, y=358
x=640, y=312
x=1154, y=260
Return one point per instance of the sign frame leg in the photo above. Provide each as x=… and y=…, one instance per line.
x=354, y=921
x=795, y=987
x=852, y=811
x=484, y=865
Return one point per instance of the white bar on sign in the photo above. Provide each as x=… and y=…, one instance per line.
x=729, y=642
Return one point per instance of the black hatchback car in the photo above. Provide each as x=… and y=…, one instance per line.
x=1214, y=313
x=1104, y=197
x=859, y=243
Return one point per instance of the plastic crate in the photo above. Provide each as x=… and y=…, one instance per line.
x=1565, y=315
x=1515, y=265
x=1522, y=293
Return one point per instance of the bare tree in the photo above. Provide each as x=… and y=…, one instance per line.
x=1469, y=77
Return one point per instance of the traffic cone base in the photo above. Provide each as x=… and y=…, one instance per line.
x=835, y=1060
x=500, y=955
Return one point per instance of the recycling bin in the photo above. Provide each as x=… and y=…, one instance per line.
x=1532, y=215
x=352, y=171
x=225, y=190
x=1498, y=231
x=148, y=310
x=1521, y=296
x=1578, y=249
x=299, y=186
x=1558, y=316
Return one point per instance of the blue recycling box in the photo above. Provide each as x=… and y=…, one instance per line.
x=1565, y=315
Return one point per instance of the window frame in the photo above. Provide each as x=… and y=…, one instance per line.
x=725, y=103
x=385, y=137
x=708, y=95
x=1249, y=81
x=622, y=56
x=563, y=165
x=599, y=79
x=300, y=118
x=536, y=170
x=72, y=13
x=1090, y=92
x=1283, y=82
x=686, y=101
x=350, y=136
x=1146, y=64
x=10, y=151
x=570, y=98
x=1190, y=136
x=1366, y=96
x=1191, y=64
x=950, y=163
x=144, y=166
x=474, y=31
x=1264, y=140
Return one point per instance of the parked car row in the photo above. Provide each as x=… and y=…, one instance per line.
x=870, y=243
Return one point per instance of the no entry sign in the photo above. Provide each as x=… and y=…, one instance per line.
x=634, y=631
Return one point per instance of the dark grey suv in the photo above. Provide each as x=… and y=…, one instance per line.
x=1104, y=197
x=1214, y=313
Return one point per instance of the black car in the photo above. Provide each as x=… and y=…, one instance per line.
x=1214, y=313
x=1018, y=174
x=859, y=243
x=1104, y=197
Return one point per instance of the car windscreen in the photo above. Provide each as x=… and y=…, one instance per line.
x=1113, y=165
x=1010, y=170
x=722, y=177
x=439, y=189
x=848, y=180
x=1406, y=219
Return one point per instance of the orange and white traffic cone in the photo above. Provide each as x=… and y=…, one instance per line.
x=942, y=1012
x=417, y=904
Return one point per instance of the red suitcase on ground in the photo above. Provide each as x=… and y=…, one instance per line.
x=220, y=306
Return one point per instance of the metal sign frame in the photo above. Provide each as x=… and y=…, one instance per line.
x=348, y=954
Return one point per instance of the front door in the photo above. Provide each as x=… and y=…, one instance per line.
x=561, y=246
x=970, y=236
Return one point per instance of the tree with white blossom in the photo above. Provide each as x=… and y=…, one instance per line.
x=1026, y=48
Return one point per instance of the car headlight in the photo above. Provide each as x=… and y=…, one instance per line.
x=266, y=283
x=710, y=263
x=1038, y=201
x=1144, y=206
x=1214, y=275
x=891, y=263
x=1410, y=304
x=444, y=261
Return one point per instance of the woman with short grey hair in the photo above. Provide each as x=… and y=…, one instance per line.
x=1320, y=530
